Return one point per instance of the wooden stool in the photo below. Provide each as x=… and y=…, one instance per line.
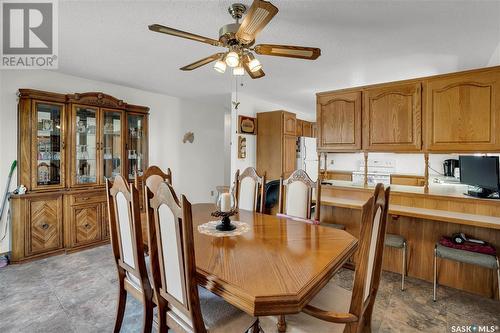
x=467, y=257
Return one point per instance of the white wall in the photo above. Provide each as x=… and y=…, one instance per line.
x=197, y=168
x=250, y=106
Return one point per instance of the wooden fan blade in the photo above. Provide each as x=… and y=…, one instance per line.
x=254, y=75
x=258, y=16
x=202, y=62
x=301, y=52
x=183, y=34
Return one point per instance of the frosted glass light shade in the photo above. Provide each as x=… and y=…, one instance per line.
x=220, y=66
x=232, y=59
x=238, y=71
x=254, y=65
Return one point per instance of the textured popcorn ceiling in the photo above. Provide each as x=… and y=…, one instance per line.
x=362, y=42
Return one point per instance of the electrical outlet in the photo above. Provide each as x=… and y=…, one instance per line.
x=331, y=162
x=211, y=193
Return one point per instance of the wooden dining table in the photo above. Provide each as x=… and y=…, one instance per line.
x=275, y=268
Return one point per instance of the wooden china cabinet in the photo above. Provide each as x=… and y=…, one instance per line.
x=68, y=146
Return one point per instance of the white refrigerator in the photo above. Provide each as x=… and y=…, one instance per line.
x=307, y=157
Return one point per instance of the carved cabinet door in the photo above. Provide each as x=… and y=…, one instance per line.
x=392, y=118
x=44, y=225
x=339, y=121
x=463, y=112
x=307, y=129
x=289, y=123
x=86, y=223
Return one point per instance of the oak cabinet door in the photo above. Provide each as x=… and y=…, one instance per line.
x=86, y=224
x=289, y=123
x=299, y=127
x=44, y=225
x=289, y=154
x=392, y=118
x=307, y=129
x=339, y=121
x=463, y=112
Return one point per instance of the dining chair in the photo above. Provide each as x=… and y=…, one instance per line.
x=296, y=195
x=128, y=250
x=153, y=176
x=249, y=190
x=182, y=305
x=335, y=309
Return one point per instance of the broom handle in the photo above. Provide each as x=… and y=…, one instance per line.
x=4, y=200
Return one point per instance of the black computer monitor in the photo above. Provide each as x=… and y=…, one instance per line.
x=482, y=172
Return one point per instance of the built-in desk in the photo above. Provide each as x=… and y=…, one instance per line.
x=418, y=212
x=422, y=218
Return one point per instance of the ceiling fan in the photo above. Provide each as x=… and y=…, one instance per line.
x=239, y=39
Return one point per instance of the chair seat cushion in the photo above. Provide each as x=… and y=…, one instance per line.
x=333, y=225
x=394, y=240
x=330, y=298
x=220, y=316
x=468, y=257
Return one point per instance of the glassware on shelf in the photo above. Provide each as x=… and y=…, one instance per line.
x=48, y=144
x=86, y=145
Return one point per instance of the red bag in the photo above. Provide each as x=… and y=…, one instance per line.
x=468, y=246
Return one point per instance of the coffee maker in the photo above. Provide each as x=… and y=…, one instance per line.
x=449, y=167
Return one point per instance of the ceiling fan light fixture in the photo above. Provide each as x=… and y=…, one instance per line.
x=220, y=66
x=238, y=71
x=254, y=65
x=232, y=59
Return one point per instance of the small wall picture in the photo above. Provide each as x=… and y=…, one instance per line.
x=247, y=125
x=242, y=147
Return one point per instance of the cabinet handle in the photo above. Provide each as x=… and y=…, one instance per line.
x=45, y=226
x=87, y=226
x=85, y=198
x=63, y=145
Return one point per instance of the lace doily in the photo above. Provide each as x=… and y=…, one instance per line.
x=209, y=229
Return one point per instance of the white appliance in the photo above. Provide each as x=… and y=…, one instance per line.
x=307, y=157
x=379, y=171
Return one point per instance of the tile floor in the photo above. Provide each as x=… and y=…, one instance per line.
x=77, y=293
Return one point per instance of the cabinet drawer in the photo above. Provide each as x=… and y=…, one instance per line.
x=85, y=198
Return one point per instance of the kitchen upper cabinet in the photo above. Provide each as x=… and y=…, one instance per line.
x=463, y=112
x=392, y=118
x=298, y=127
x=339, y=121
x=307, y=129
x=289, y=123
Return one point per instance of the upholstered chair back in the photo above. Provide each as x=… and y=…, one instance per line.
x=125, y=230
x=172, y=256
x=370, y=251
x=152, y=177
x=296, y=195
x=249, y=188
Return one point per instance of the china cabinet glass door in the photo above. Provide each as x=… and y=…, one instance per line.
x=112, y=143
x=85, y=145
x=48, y=145
x=136, y=145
